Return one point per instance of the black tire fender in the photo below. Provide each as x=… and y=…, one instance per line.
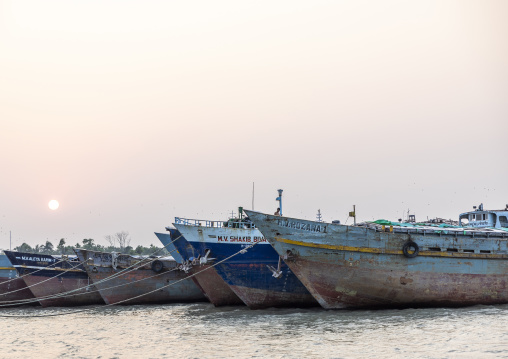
x=157, y=266
x=410, y=249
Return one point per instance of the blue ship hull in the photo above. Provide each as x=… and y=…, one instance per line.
x=212, y=285
x=248, y=274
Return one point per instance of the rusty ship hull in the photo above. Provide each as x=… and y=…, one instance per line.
x=248, y=274
x=55, y=283
x=141, y=285
x=371, y=266
x=13, y=289
x=205, y=276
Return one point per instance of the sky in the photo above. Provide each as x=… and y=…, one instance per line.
x=130, y=113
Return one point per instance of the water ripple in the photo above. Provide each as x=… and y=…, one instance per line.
x=203, y=331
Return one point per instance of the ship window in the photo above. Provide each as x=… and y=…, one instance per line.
x=484, y=251
x=471, y=217
x=503, y=221
x=468, y=250
x=485, y=216
x=435, y=249
x=451, y=250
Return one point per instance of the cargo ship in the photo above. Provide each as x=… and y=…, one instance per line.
x=13, y=290
x=258, y=277
x=204, y=275
x=390, y=264
x=125, y=279
x=55, y=281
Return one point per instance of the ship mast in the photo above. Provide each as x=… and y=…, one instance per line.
x=280, y=201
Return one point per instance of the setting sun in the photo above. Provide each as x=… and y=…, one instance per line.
x=53, y=204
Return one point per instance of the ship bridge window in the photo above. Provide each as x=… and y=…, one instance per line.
x=503, y=221
x=478, y=217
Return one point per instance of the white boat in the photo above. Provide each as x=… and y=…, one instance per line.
x=480, y=218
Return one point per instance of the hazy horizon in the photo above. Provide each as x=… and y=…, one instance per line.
x=131, y=113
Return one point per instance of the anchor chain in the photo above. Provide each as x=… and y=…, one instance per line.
x=276, y=273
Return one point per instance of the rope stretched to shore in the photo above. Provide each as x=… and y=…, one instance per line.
x=138, y=296
x=33, y=285
x=116, y=275
x=25, y=275
x=63, y=295
x=135, y=281
x=67, y=294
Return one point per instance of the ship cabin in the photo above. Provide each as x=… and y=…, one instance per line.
x=480, y=218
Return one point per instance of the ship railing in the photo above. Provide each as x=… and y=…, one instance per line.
x=214, y=224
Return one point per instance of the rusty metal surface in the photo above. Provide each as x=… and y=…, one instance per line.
x=14, y=290
x=62, y=285
x=344, y=286
x=134, y=287
x=214, y=287
x=49, y=276
x=347, y=266
x=256, y=298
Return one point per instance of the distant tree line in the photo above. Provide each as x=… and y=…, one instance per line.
x=118, y=242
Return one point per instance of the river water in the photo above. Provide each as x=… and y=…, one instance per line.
x=203, y=331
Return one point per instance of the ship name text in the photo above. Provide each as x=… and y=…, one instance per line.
x=478, y=223
x=38, y=259
x=311, y=227
x=244, y=239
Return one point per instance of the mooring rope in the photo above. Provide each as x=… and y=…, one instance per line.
x=33, y=285
x=67, y=294
x=135, y=281
x=243, y=250
x=25, y=275
x=128, y=269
